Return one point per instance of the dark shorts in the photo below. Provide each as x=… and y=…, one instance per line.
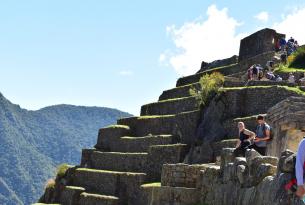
x=261, y=150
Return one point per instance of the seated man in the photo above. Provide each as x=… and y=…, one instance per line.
x=262, y=135
x=245, y=137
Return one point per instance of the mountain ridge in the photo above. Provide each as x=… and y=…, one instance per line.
x=33, y=143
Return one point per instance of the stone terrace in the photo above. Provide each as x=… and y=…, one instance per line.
x=142, y=160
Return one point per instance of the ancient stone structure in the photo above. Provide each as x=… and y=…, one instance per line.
x=288, y=120
x=178, y=153
x=218, y=63
x=260, y=42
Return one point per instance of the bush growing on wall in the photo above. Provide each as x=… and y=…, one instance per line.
x=209, y=87
x=297, y=58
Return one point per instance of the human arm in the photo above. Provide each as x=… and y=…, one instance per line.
x=299, y=168
x=250, y=134
x=238, y=144
x=267, y=134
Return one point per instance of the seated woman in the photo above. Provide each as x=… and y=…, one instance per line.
x=245, y=137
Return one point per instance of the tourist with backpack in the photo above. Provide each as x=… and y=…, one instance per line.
x=245, y=138
x=263, y=135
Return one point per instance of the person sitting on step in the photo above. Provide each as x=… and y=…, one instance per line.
x=262, y=135
x=245, y=138
x=291, y=78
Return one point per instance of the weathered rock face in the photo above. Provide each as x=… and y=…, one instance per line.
x=218, y=63
x=260, y=42
x=235, y=103
x=239, y=182
x=287, y=120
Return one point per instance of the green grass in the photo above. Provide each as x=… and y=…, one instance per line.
x=220, y=68
x=285, y=69
x=170, y=100
x=107, y=172
x=154, y=184
x=154, y=116
x=245, y=118
x=293, y=89
x=149, y=136
x=75, y=188
x=118, y=126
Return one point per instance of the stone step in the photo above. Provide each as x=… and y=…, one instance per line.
x=97, y=199
x=218, y=146
x=182, y=125
x=181, y=175
x=226, y=70
x=70, y=195
x=108, y=136
x=159, y=155
x=171, y=106
x=124, y=185
x=141, y=144
x=183, y=91
x=154, y=194
x=116, y=161
x=178, y=92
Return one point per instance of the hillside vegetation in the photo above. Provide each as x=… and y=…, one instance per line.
x=33, y=143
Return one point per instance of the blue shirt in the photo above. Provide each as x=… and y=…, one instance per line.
x=260, y=133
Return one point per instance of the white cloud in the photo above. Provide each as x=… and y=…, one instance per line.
x=293, y=25
x=126, y=73
x=262, y=16
x=202, y=39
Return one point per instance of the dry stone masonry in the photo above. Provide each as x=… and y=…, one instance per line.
x=178, y=153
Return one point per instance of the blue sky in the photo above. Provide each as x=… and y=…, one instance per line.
x=121, y=54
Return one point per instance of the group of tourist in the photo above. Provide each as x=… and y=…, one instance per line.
x=257, y=72
x=289, y=46
x=253, y=140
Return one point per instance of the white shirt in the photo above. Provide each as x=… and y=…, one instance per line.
x=299, y=166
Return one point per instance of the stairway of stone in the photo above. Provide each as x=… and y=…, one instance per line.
x=132, y=155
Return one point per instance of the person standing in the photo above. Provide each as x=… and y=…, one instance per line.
x=299, y=169
x=262, y=135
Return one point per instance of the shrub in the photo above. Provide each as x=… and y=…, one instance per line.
x=209, y=87
x=297, y=58
x=50, y=184
x=61, y=170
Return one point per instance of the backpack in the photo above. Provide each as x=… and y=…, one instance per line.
x=292, y=184
x=264, y=130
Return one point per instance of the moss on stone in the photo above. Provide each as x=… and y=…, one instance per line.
x=118, y=126
x=61, y=169
x=99, y=196
x=293, y=89
x=246, y=118
x=75, y=188
x=154, y=184
x=149, y=136
x=108, y=171
x=154, y=116
x=286, y=69
x=170, y=145
x=123, y=153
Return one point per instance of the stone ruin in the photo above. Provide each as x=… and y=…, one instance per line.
x=177, y=153
x=262, y=41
